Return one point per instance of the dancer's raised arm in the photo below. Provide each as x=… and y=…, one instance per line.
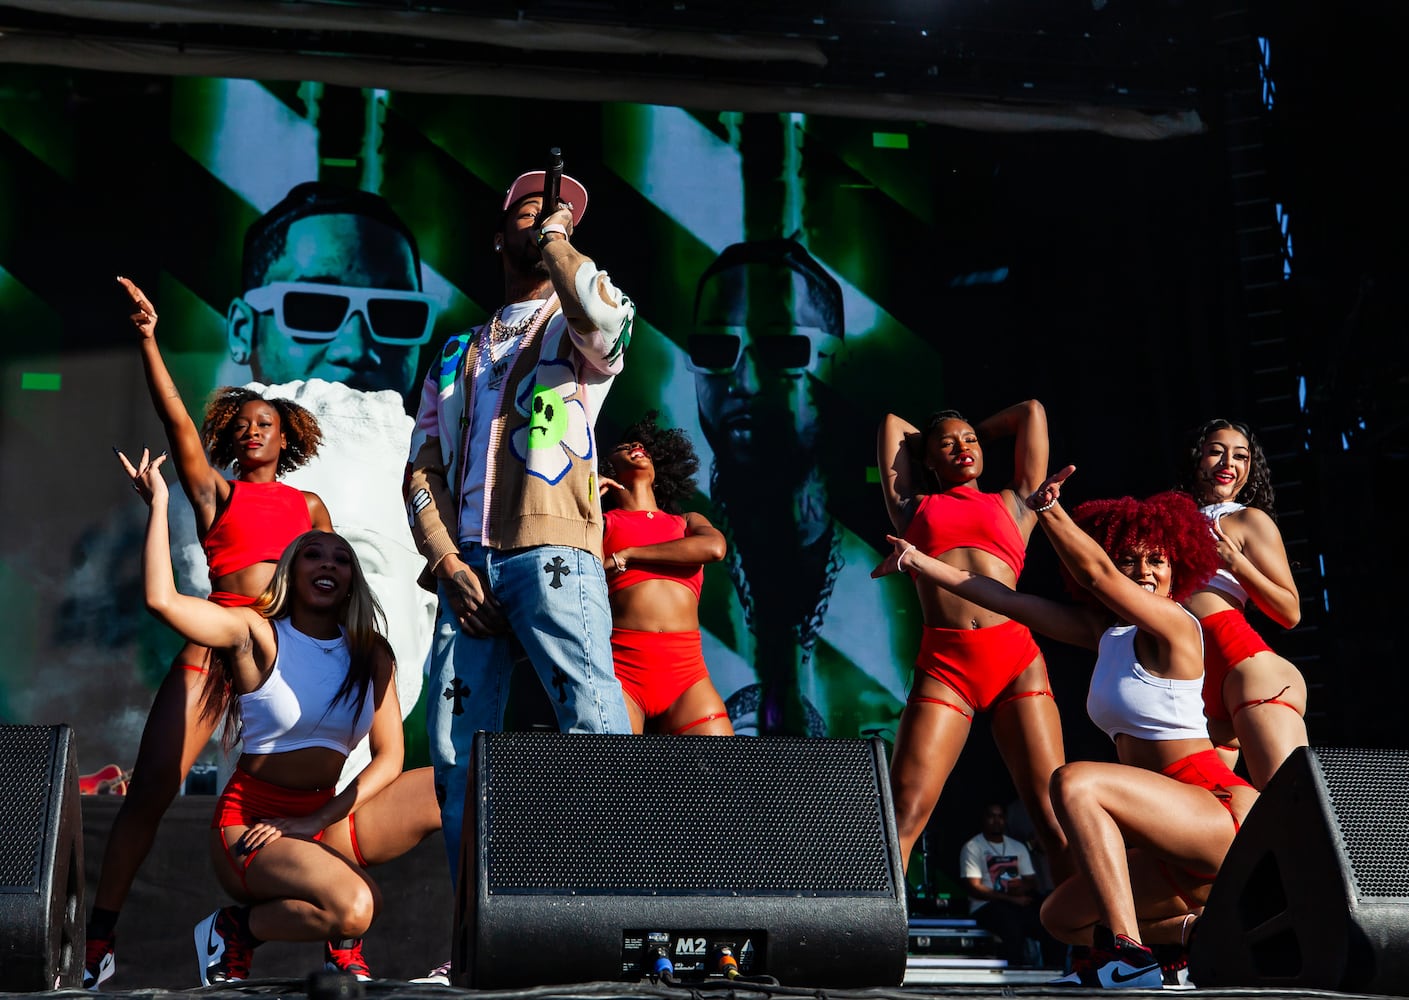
x=1123, y=582
x=897, y=441
x=203, y=485
x=197, y=620
x=1026, y=423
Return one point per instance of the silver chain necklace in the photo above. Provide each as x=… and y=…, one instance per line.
x=499, y=331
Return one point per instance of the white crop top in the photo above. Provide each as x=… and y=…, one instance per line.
x=1223, y=581
x=294, y=707
x=1127, y=698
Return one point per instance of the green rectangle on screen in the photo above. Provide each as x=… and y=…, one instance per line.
x=890, y=140
x=41, y=381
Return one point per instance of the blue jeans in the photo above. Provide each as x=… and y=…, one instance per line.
x=555, y=599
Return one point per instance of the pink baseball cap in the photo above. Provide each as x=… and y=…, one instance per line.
x=531, y=183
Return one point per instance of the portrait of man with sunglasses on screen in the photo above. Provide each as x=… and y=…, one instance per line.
x=332, y=315
x=332, y=290
x=768, y=316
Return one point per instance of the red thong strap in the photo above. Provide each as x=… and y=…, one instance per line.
x=1023, y=694
x=918, y=698
x=1276, y=699
x=698, y=722
x=352, y=836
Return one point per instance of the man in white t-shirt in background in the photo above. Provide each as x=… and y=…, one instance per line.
x=997, y=871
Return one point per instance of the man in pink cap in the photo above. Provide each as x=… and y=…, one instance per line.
x=503, y=492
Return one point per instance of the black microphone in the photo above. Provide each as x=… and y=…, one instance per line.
x=552, y=180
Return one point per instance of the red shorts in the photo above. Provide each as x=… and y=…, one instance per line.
x=247, y=799
x=656, y=668
x=1206, y=770
x=1228, y=641
x=977, y=663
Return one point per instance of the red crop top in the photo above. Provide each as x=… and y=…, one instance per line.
x=258, y=523
x=965, y=518
x=628, y=528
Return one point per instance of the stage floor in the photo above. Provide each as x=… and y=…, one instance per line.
x=998, y=984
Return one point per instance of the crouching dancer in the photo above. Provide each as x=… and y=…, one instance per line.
x=313, y=675
x=1149, y=833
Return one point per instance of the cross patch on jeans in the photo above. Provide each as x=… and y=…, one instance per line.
x=559, y=569
x=458, y=691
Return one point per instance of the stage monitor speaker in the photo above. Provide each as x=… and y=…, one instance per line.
x=41, y=860
x=1314, y=892
x=599, y=858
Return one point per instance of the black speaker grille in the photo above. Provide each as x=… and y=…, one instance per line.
x=25, y=773
x=683, y=815
x=1369, y=792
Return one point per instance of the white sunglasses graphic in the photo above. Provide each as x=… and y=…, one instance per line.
x=310, y=311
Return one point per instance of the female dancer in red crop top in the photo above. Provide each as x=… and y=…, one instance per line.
x=244, y=525
x=1255, y=700
x=313, y=674
x=1147, y=834
x=971, y=659
x=655, y=568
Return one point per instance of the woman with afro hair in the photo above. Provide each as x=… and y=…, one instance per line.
x=1254, y=699
x=1149, y=833
x=244, y=525
x=654, y=559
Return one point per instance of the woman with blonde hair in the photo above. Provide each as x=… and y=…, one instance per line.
x=312, y=675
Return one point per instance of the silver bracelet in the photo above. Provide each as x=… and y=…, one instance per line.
x=1045, y=507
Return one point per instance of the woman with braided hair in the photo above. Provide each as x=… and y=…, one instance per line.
x=654, y=558
x=244, y=525
x=971, y=659
x=1255, y=700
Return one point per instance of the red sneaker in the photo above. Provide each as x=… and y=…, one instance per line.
x=346, y=956
x=223, y=952
x=99, y=961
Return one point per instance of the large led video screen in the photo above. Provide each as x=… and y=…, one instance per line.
x=915, y=267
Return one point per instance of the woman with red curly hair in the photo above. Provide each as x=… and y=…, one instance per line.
x=1254, y=699
x=1149, y=833
x=244, y=525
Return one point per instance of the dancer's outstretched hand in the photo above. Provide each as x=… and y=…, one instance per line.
x=892, y=564
x=145, y=475
x=1050, y=491
x=145, y=316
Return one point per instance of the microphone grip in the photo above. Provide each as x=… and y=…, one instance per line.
x=552, y=180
